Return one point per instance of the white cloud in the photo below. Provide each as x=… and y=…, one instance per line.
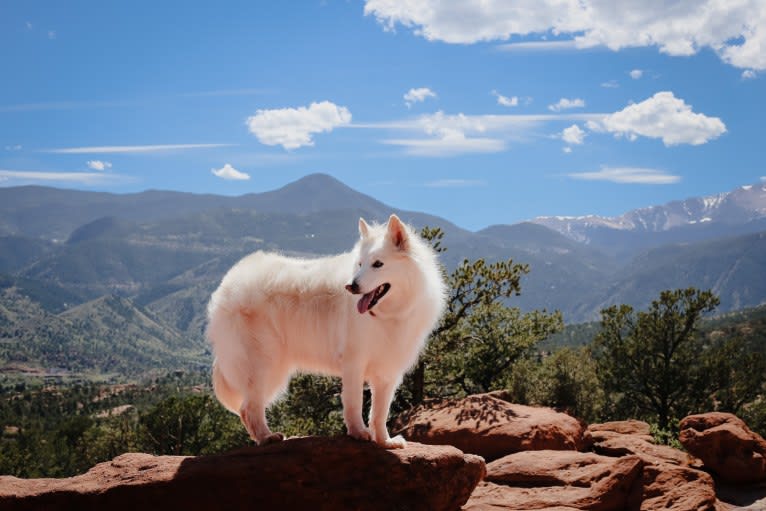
x=628, y=175
x=611, y=84
x=734, y=29
x=451, y=135
x=450, y=144
x=455, y=183
x=32, y=176
x=573, y=135
x=662, y=116
x=567, y=149
x=293, y=127
x=505, y=100
x=230, y=173
x=566, y=104
x=748, y=74
x=636, y=74
x=99, y=165
x=111, y=149
x=418, y=95
x=15, y=147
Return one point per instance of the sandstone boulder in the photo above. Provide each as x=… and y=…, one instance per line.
x=302, y=473
x=726, y=446
x=668, y=480
x=557, y=479
x=487, y=425
x=635, y=428
x=616, y=444
x=668, y=487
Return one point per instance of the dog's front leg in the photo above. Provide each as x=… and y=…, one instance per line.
x=351, y=395
x=382, y=395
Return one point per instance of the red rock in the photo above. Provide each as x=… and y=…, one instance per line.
x=496, y=497
x=726, y=446
x=667, y=487
x=566, y=479
x=631, y=427
x=302, y=473
x=668, y=480
x=623, y=445
x=491, y=427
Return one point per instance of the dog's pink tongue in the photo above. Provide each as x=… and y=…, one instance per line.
x=364, y=302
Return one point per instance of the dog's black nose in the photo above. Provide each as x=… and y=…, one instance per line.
x=353, y=288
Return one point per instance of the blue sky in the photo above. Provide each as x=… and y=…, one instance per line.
x=481, y=113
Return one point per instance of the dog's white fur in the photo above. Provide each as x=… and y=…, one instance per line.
x=273, y=315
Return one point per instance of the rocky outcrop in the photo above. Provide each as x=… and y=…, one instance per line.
x=491, y=427
x=563, y=479
x=668, y=479
x=540, y=460
x=535, y=463
x=302, y=473
x=726, y=446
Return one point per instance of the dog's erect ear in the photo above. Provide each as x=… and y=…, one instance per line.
x=364, y=229
x=397, y=232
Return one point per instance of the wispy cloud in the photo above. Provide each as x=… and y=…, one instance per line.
x=66, y=105
x=636, y=73
x=418, y=95
x=628, y=175
x=14, y=177
x=455, y=183
x=225, y=92
x=748, y=74
x=451, y=144
x=99, y=165
x=229, y=173
x=505, y=100
x=611, y=84
x=114, y=149
x=567, y=104
x=546, y=46
x=456, y=134
x=14, y=147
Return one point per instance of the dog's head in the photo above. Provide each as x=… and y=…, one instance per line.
x=382, y=261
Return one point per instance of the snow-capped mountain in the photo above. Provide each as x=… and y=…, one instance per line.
x=729, y=210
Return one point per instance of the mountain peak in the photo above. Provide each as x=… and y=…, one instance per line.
x=314, y=193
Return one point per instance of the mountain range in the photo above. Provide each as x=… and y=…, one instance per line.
x=79, y=261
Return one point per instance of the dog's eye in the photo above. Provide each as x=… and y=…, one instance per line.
x=377, y=264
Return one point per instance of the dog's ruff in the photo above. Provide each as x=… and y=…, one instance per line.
x=363, y=315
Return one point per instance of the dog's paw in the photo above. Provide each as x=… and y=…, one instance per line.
x=360, y=434
x=272, y=439
x=398, y=442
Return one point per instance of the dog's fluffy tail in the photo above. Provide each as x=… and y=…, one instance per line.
x=229, y=398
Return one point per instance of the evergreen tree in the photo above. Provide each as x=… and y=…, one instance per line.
x=650, y=361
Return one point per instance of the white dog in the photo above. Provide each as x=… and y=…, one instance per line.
x=273, y=315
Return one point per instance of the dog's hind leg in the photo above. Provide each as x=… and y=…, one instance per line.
x=382, y=394
x=261, y=391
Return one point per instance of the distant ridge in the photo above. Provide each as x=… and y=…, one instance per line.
x=743, y=204
x=740, y=211
x=166, y=251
